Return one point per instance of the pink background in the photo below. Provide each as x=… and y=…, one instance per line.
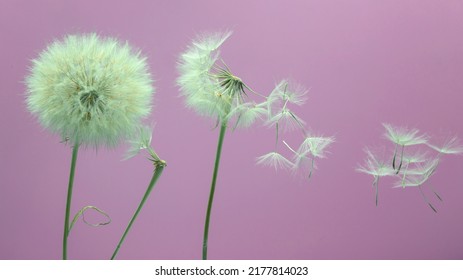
x=366, y=62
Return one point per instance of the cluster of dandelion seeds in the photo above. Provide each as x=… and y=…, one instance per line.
x=90, y=90
x=212, y=90
x=282, y=118
x=411, y=162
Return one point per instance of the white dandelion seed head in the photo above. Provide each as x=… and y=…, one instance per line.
x=404, y=136
x=210, y=89
x=91, y=90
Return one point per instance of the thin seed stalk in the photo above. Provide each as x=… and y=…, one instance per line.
x=401, y=159
x=157, y=173
x=75, y=151
x=426, y=200
x=395, y=155
x=405, y=174
x=223, y=129
x=311, y=167
x=437, y=195
x=376, y=190
x=276, y=139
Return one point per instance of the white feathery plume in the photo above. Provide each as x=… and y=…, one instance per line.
x=450, y=146
x=275, y=160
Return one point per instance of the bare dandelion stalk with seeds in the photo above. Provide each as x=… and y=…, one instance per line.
x=142, y=141
x=212, y=90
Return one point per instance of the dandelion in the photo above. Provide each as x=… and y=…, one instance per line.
x=376, y=167
x=403, y=137
x=142, y=142
x=92, y=91
x=89, y=89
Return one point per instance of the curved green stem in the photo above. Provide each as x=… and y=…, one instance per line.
x=75, y=151
x=157, y=173
x=223, y=128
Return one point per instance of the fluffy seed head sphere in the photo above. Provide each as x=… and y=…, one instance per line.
x=92, y=90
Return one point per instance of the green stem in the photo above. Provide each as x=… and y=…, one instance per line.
x=223, y=128
x=157, y=173
x=75, y=151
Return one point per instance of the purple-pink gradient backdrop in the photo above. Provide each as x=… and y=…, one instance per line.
x=366, y=62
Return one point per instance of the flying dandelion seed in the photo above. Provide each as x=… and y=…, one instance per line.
x=451, y=146
x=376, y=167
x=275, y=160
x=402, y=136
x=312, y=147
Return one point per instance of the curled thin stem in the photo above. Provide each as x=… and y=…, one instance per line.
x=82, y=213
